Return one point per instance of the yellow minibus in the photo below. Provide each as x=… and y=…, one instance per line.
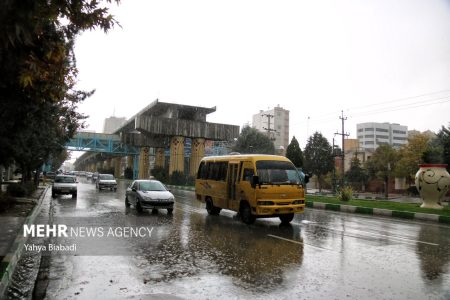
x=254, y=185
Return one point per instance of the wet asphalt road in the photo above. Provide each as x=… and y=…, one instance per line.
x=191, y=255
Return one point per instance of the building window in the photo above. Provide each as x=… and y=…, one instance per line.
x=399, y=138
x=368, y=129
x=360, y=130
x=399, y=131
x=382, y=130
x=368, y=142
x=369, y=136
x=383, y=137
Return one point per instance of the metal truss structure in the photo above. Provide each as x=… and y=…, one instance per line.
x=100, y=142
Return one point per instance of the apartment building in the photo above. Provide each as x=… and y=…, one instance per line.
x=274, y=122
x=371, y=135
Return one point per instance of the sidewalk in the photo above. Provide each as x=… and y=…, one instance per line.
x=12, y=220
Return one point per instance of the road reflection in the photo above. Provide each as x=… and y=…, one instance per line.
x=200, y=244
x=249, y=254
x=434, y=258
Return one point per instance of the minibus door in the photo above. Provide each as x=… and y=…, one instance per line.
x=233, y=202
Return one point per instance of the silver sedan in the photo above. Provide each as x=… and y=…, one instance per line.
x=149, y=194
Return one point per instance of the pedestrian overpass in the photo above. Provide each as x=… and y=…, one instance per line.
x=100, y=142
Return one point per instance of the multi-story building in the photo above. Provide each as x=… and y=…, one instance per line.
x=274, y=122
x=371, y=135
x=111, y=124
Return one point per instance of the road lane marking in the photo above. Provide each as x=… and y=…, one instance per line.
x=361, y=232
x=300, y=243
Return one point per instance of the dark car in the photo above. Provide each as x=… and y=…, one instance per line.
x=94, y=177
x=149, y=194
x=50, y=175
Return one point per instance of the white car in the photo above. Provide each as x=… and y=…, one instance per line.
x=64, y=185
x=106, y=181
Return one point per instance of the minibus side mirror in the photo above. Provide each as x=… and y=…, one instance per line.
x=255, y=181
x=306, y=178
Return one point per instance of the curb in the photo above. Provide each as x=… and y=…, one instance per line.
x=9, y=262
x=379, y=212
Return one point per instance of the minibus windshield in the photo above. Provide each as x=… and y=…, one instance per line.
x=277, y=172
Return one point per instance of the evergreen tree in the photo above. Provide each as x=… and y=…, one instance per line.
x=294, y=153
x=356, y=175
x=443, y=137
x=318, y=157
x=253, y=141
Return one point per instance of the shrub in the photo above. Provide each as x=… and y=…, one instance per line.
x=128, y=173
x=177, y=178
x=5, y=201
x=161, y=174
x=412, y=191
x=21, y=189
x=16, y=190
x=190, y=180
x=346, y=193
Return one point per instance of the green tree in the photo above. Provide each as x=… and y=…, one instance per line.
x=411, y=155
x=38, y=99
x=294, y=153
x=382, y=164
x=253, y=141
x=356, y=175
x=318, y=157
x=443, y=138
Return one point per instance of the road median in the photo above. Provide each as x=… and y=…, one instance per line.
x=411, y=211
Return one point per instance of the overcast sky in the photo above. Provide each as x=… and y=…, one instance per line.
x=378, y=61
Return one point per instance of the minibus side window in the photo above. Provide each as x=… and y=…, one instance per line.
x=248, y=175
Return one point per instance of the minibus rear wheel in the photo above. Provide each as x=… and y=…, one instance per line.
x=210, y=208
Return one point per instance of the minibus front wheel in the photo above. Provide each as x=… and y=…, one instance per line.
x=246, y=213
x=287, y=218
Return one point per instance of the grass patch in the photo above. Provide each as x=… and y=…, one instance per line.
x=383, y=204
x=444, y=219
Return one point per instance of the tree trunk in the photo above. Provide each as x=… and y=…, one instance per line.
x=386, y=189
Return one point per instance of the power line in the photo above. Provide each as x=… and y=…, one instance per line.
x=386, y=109
x=402, y=99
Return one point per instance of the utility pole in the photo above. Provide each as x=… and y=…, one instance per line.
x=268, y=129
x=343, y=134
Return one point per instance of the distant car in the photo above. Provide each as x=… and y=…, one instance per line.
x=64, y=185
x=89, y=175
x=149, y=194
x=94, y=177
x=106, y=181
x=50, y=175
